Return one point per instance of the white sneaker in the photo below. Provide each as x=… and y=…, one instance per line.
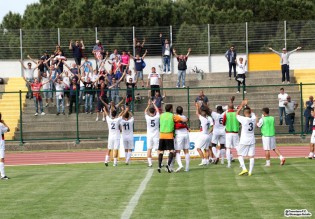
x=245, y=92
x=228, y=166
x=178, y=169
x=96, y=119
x=163, y=72
x=43, y=113
x=83, y=97
x=201, y=164
x=282, y=82
x=47, y=104
x=103, y=119
x=36, y=114
x=288, y=82
x=186, y=170
x=184, y=86
x=267, y=165
x=237, y=92
x=115, y=165
x=177, y=86
x=169, y=72
x=68, y=104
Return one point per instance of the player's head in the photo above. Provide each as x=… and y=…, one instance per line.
x=265, y=111
x=247, y=112
x=114, y=113
x=311, y=98
x=169, y=108
x=179, y=110
x=219, y=109
x=203, y=113
x=152, y=110
x=126, y=116
x=230, y=106
x=282, y=90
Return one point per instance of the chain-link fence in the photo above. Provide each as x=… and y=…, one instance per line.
x=204, y=39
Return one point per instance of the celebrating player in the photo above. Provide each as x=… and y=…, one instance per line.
x=126, y=125
x=267, y=125
x=3, y=129
x=247, y=142
x=152, y=117
x=218, y=133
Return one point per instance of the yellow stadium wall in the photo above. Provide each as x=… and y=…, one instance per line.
x=263, y=62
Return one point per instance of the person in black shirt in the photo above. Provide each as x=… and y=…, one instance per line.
x=130, y=90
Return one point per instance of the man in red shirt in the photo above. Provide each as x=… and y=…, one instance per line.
x=36, y=86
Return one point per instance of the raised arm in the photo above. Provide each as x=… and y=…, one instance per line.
x=70, y=45
x=146, y=51
x=148, y=106
x=64, y=62
x=28, y=56
x=188, y=52
x=175, y=54
x=271, y=49
x=82, y=47
x=243, y=103
x=22, y=64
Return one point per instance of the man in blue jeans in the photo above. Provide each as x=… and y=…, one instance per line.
x=230, y=55
x=182, y=66
x=166, y=53
x=282, y=97
x=290, y=107
x=308, y=116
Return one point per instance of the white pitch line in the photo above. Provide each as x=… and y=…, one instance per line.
x=135, y=198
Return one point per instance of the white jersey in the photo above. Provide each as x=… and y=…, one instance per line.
x=153, y=125
x=113, y=127
x=248, y=129
x=183, y=130
x=218, y=127
x=127, y=127
x=205, y=124
x=3, y=129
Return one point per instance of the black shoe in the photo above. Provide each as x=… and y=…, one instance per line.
x=63, y=113
x=5, y=178
x=216, y=161
x=159, y=170
x=106, y=164
x=69, y=113
x=280, y=123
x=168, y=169
x=57, y=114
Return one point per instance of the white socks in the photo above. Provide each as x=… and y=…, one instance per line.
x=311, y=154
x=251, y=165
x=106, y=158
x=178, y=160
x=149, y=161
x=214, y=151
x=187, y=159
x=128, y=156
x=241, y=160
x=115, y=160
x=2, y=169
x=228, y=156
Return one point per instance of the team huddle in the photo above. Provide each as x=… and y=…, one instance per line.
x=219, y=134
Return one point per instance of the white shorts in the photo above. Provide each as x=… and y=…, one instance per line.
x=203, y=141
x=269, y=143
x=153, y=142
x=313, y=137
x=128, y=143
x=246, y=150
x=232, y=140
x=218, y=138
x=2, y=153
x=113, y=143
x=182, y=142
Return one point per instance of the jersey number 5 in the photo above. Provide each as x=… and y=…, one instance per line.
x=152, y=123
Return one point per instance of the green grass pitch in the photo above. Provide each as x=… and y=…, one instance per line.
x=95, y=191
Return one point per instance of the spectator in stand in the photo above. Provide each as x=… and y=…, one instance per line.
x=74, y=94
x=58, y=50
x=74, y=69
x=116, y=67
x=130, y=85
x=282, y=98
x=60, y=58
x=125, y=61
x=36, y=86
x=284, y=62
x=114, y=89
x=98, y=51
x=77, y=50
x=87, y=65
x=29, y=76
x=88, y=87
x=53, y=75
x=290, y=107
x=166, y=53
x=66, y=80
x=139, y=46
x=40, y=64
x=114, y=55
x=182, y=67
x=139, y=65
x=101, y=96
x=230, y=55
x=131, y=75
x=309, y=105
x=202, y=100
x=47, y=93
x=46, y=59
x=60, y=86
x=155, y=81
x=241, y=70
x=158, y=100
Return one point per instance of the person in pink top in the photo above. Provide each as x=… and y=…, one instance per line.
x=125, y=60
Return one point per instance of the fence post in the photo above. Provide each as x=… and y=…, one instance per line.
x=171, y=43
x=209, y=50
x=59, y=36
x=95, y=33
x=301, y=107
x=21, y=120
x=188, y=105
x=21, y=51
x=77, y=114
x=246, y=43
x=285, y=34
x=133, y=40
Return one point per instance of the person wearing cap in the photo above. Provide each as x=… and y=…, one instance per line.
x=284, y=62
x=77, y=50
x=290, y=107
x=309, y=105
x=98, y=51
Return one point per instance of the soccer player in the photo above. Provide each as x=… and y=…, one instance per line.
x=218, y=133
x=113, y=123
x=3, y=129
x=247, y=142
x=232, y=127
x=204, y=139
x=181, y=140
x=126, y=125
x=311, y=154
x=167, y=123
x=152, y=117
x=267, y=125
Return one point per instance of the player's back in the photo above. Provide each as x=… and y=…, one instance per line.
x=183, y=130
x=248, y=129
x=218, y=126
x=113, y=126
x=205, y=124
x=127, y=127
x=153, y=123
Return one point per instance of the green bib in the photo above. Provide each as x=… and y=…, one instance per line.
x=166, y=122
x=232, y=124
x=268, y=127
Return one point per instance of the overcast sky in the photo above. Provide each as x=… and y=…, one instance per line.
x=17, y=6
